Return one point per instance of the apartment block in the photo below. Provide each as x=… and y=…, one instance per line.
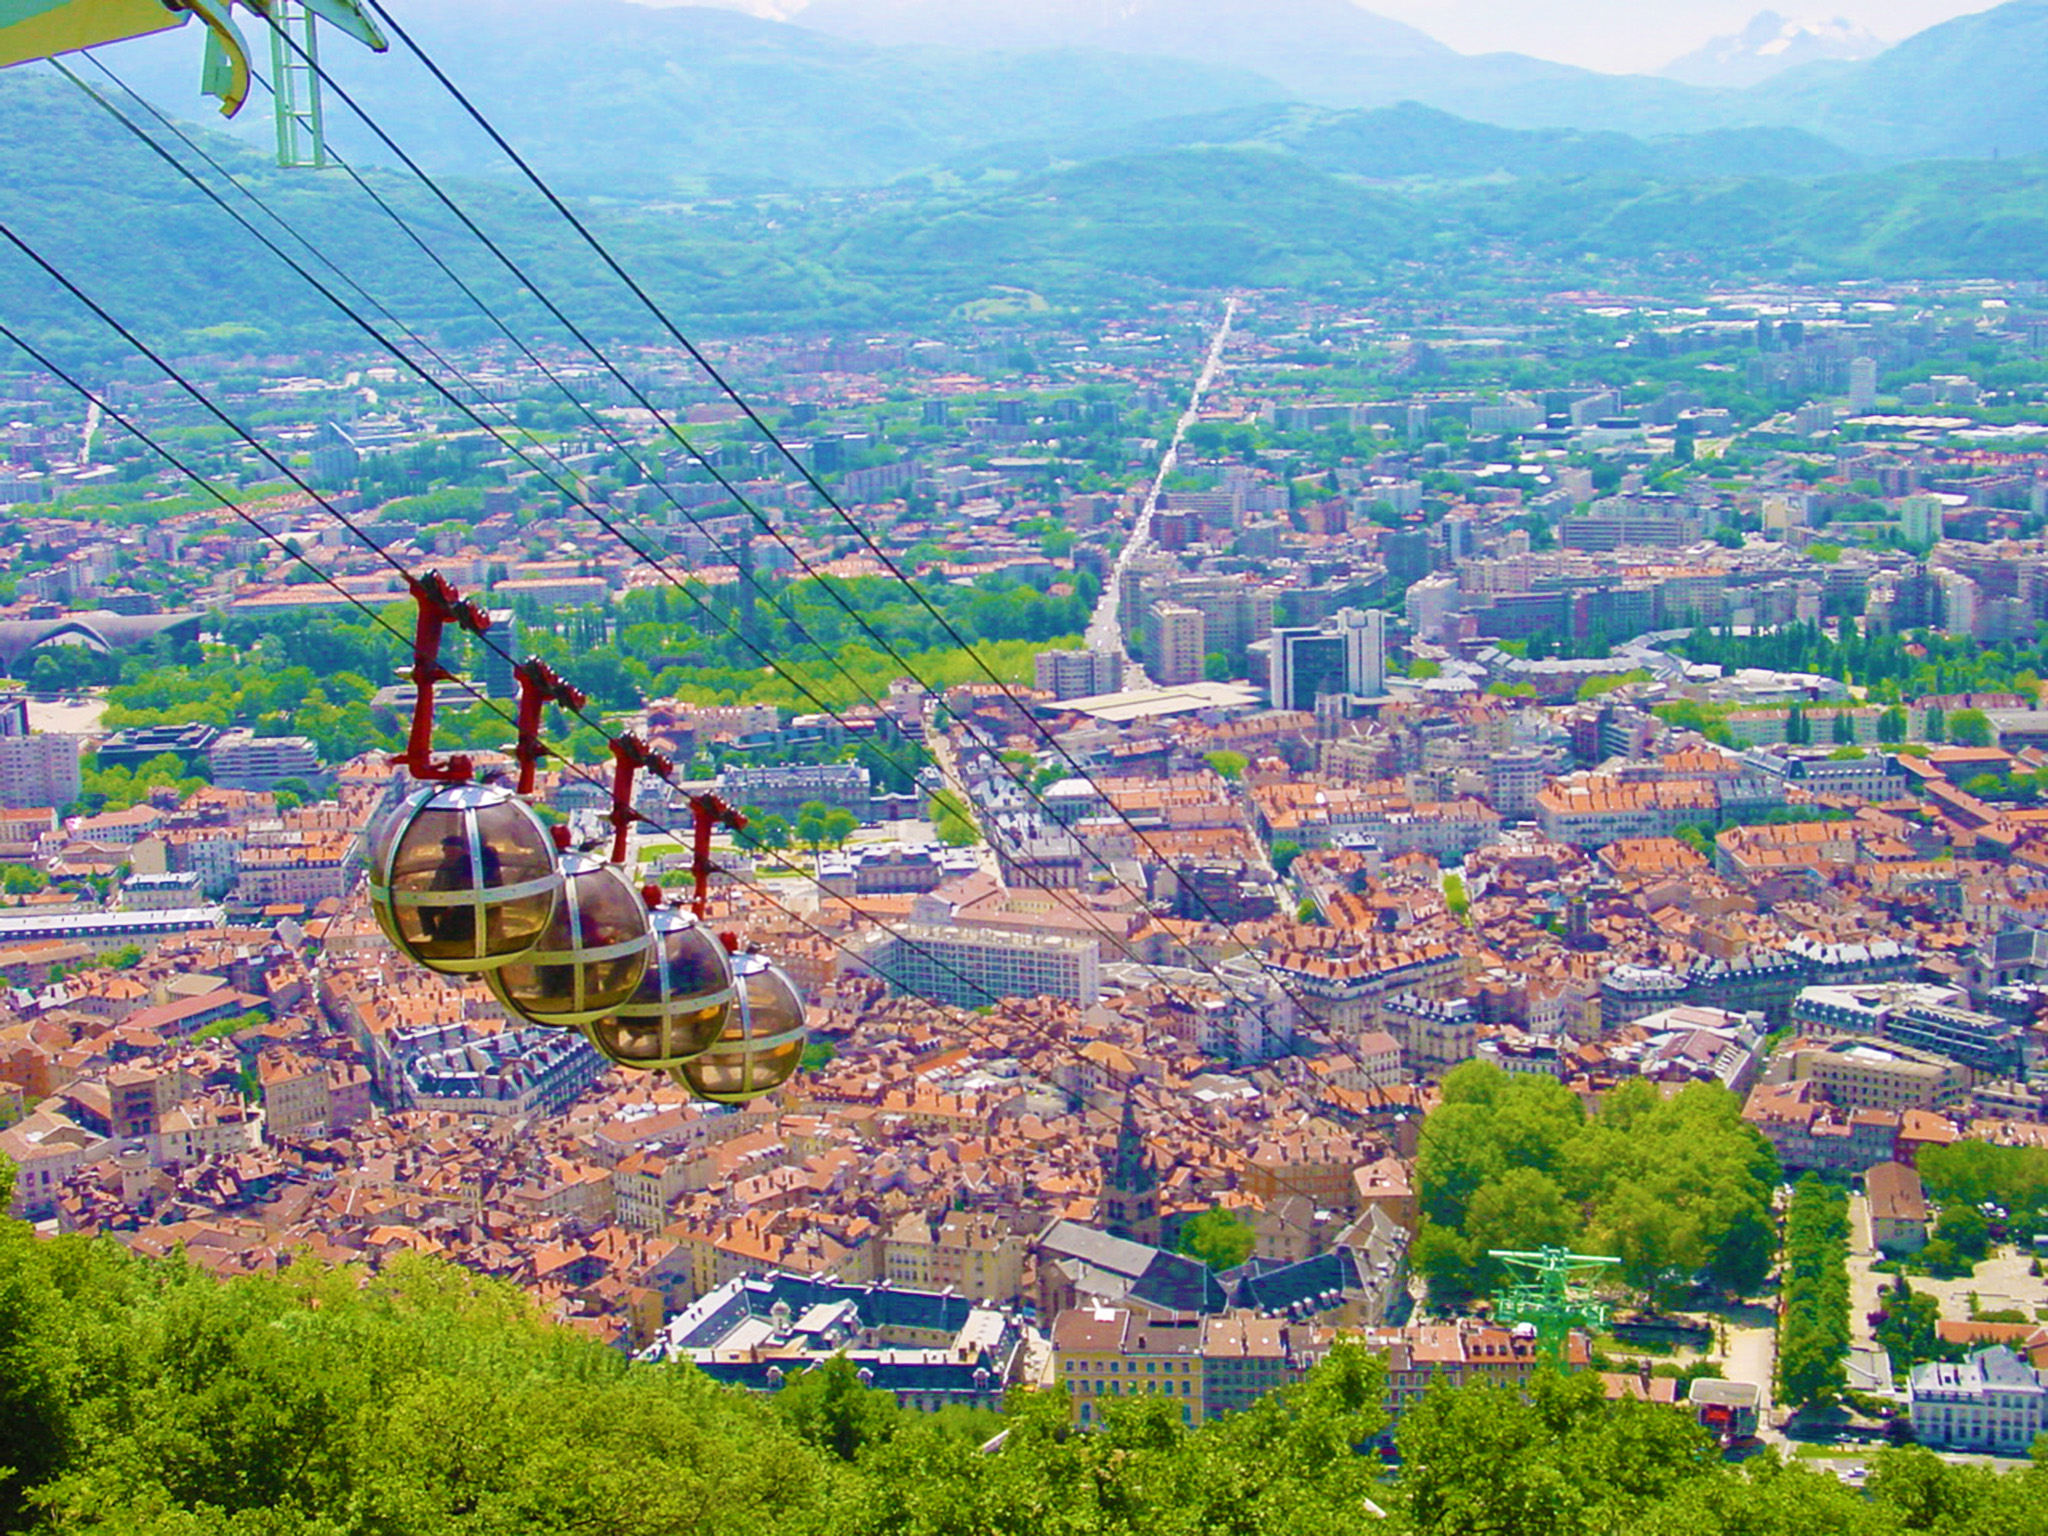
x=972, y=968
x=1104, y=1353
x=644, y=1184
x=1079, y=674
x=1176, y=643
x=38, y=771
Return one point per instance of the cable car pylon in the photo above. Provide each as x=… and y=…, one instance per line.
x=1553, y=1295
x=31, y=30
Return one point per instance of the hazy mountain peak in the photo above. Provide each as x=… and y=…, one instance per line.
x=1769, y=45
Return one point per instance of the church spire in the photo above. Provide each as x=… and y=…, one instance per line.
x=1130, y=1183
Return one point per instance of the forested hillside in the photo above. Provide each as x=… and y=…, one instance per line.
x=1353, y=206
x=142, y=1397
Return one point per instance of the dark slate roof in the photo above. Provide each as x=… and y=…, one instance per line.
x=2003, y=1368
x=2020, y=946
x=1096, y=1248
x=1176, y=1283
x=879, y=1306
x=1305, y=1282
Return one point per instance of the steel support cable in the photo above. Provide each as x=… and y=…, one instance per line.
x=718, y=378
x=839, y=598
x=963, y=1018
x=1096, y=925
x=383, y=310
x=469, y=293
x=134, y=428
x=113, y=414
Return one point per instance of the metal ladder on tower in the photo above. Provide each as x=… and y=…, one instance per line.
x=295, y=76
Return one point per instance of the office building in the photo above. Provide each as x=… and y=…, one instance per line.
x=1871, y=1074
x=243, y=760
x=1345, y=656
x=1922, y=1018
x=498, y=658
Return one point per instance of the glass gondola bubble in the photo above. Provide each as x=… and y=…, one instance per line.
x=762, y=1044
x=463, y=877
x=682, y=1004
x=591, y=958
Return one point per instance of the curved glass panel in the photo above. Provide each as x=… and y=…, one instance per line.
x=463, y=878
x=762, y=1044
x=681, y=1004
x=591, y=958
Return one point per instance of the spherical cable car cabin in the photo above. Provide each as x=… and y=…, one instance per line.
x=682, y=1003
x=762, y=1044
x=592, y=957
x=463, y=877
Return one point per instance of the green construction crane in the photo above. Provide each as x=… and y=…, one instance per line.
x=1553, y=1293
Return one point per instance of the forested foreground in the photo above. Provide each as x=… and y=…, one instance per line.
x=144, y=1398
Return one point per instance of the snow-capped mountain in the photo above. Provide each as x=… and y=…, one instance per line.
x=1770, y=45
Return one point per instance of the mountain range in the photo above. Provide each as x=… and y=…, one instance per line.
x=765, y=175
x=615, y=98
x=1411, y=145
x=1769, y=46
x=1402, y=206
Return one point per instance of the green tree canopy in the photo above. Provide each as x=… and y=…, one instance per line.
x=1230, y=765
x=1674, y=1187
x=951, y=820
x=1219, y=1237
x=1970, y=728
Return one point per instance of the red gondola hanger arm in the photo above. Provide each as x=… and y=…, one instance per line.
x=439, y=605
x=629, y=755
x=539, y=686
x=708, y=813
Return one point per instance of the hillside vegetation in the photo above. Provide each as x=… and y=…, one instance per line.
x=1348, y=208
x=141, y=1397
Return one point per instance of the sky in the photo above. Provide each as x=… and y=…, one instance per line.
x=1616, y=35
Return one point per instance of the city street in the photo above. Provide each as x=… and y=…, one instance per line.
x=1104, y=632
x=1752, y=1353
